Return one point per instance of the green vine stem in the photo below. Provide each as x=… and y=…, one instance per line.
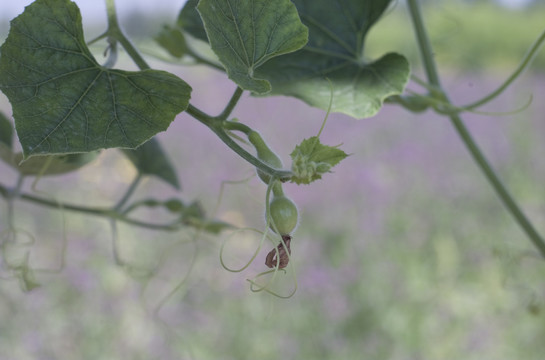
x=478, y=157
x=231, y=104
x=115, y=32
x=132, y=187
x=11, y=195
x=219, y=126
x=523, y=64
x=417, y=102
x=110, y=213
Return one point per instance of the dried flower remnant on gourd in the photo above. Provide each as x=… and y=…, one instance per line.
x=280, y=255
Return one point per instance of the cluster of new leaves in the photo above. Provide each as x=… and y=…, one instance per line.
x=311, y=159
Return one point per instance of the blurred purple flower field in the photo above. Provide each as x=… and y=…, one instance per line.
x=403, y=252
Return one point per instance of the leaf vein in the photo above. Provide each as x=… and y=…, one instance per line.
x=67, y=116
x=115, y=114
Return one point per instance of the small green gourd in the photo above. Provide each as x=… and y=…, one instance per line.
x=284, y=215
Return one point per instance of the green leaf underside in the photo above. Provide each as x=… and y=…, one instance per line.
x=6, y=131
x=46, y=165
x=311, y=159
x=64, y=102
x=150, y=159
x=172, y=40
x=43, y=165
x=6, y=139
x=190, y=20
x=245, y=34
x=358, y=90
x=337, y=31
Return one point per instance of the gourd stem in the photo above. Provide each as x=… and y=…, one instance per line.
x=218, y=127
x=282, y=175
x=277, y=189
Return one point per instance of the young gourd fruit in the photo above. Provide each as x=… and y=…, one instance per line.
x=264, y=154
x=284, y=215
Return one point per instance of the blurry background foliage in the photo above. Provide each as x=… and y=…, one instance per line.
x=403, y=253
x=466, y=34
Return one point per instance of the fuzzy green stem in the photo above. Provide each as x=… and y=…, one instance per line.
x=204, y=61
x=231, y=105
x=478, y=157
x=217, y=125
x=282, y=175
x=200, y=115
x=95, y=211
x=424, y=44
x=277, y=189
x=237, y=126
x=114, y=31
x=129, y=192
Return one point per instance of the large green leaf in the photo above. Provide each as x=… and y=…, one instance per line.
x=45, y=165
x=335, y=51
x=65, y=102
x=358, y=90
x=245, y=34
x=150, y=159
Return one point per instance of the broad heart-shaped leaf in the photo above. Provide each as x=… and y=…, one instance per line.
x=64, y=102
x=334, y=51
x=245, y=34
x=150, y=159
x=311, y=159
x=337, y=31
